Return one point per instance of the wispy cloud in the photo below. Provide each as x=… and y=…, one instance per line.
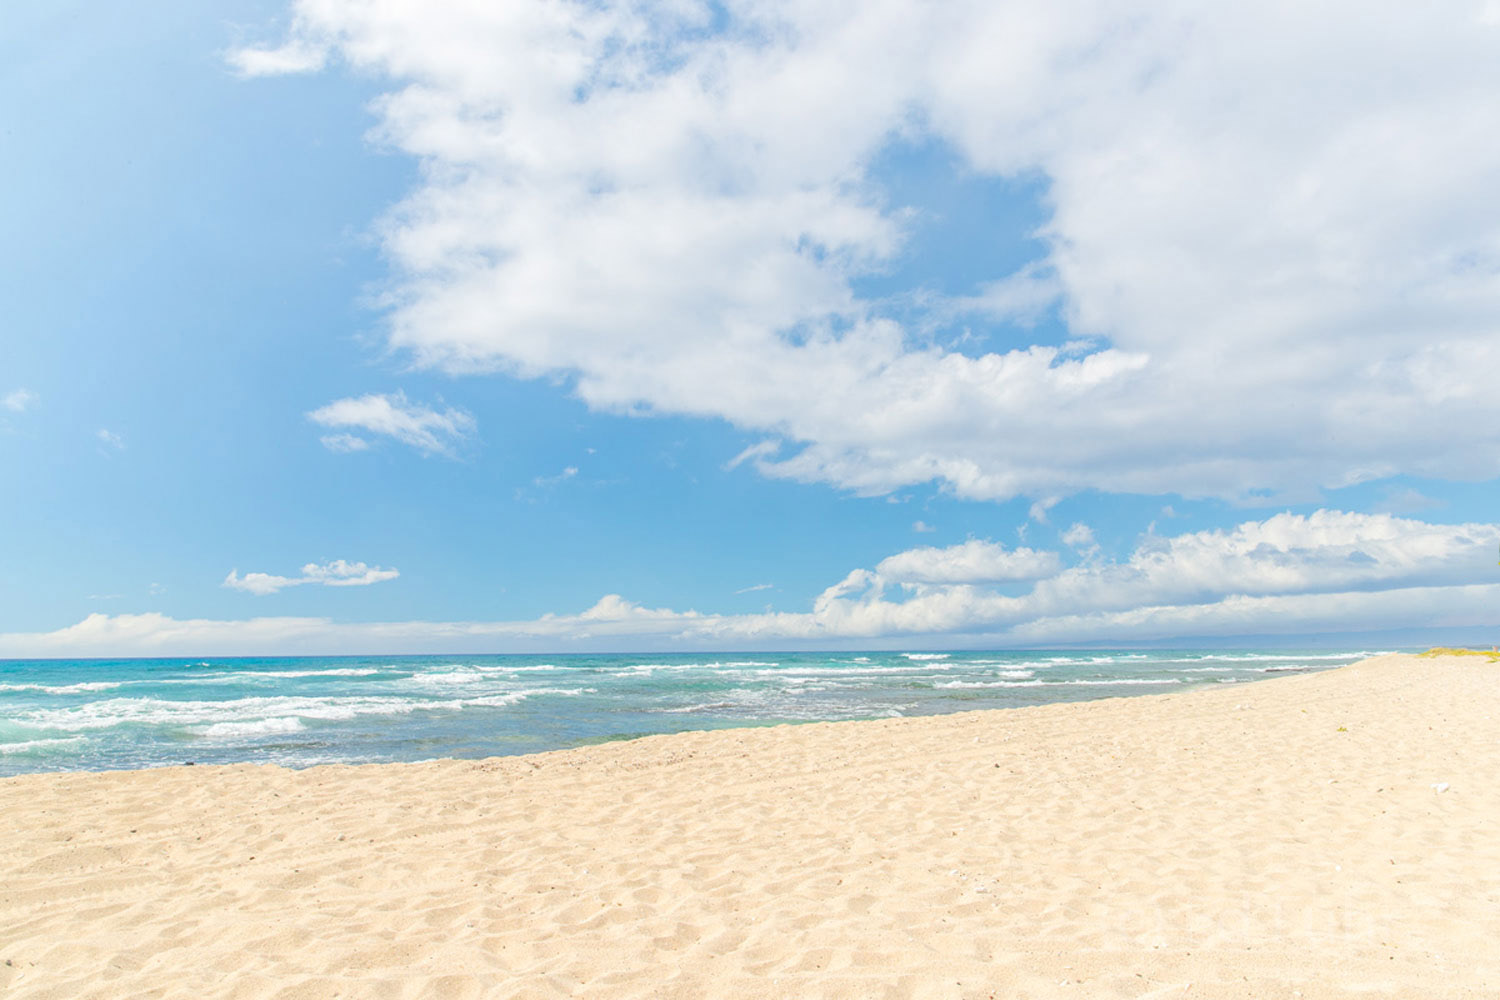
x=563, y=476
x=1039, y=509
x=922, y=528
x=294, y=57
x=755, y=452
x=18, y=400
x=110, y=439
x=344, y=442
x=430, y=431
x=758, y=586
x=333, y=574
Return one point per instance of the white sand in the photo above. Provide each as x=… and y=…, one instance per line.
x=1268, y=840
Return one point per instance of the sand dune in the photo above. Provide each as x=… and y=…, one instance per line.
x=1269, y=840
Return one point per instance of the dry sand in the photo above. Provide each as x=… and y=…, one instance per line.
x=1279, y=839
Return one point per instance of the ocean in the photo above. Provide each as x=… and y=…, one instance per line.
x=88, y=715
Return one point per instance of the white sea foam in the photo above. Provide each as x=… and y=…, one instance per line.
x=1289, y=657
x=81, y=688
x=707, y=706
x=971, y=685
x=1116, y=682
x=32, y=746
x=253, y=675
x=446, y=678
x=292, y=674
x=260, y=727
x=1124, y=681
x=927, y=656
x=162, y=712
x=791, y=673
x=640, y=669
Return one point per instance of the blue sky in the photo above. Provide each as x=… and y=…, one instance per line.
x=332, y=328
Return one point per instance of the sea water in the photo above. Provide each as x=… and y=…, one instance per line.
x=60, y=715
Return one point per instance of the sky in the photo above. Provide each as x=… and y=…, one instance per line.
x=334, y=326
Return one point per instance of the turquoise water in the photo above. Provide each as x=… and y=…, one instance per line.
x=300, y=711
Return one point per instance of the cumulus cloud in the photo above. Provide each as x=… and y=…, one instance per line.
x=1286, y=575
x=430, y=431
x=1080, y=538
x=1271, y=233
x=18, y=400
x=333, y=574
x=972, y=562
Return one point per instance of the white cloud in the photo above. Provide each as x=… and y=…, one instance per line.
x=18, y=400
x=344, y=442
x=1289, y=574
x=758, y=451
x=972, y=562
x=294, y=57
x=922, y=528
x=1290, y=278
x=1039, y=509
x=1079, y=536
x=333, y=574
x=430, y=431
x=752, y=589
x=110, y=439
x=561, y=477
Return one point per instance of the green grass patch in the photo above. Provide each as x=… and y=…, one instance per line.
x=1491, y=655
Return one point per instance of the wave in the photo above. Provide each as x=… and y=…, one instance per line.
x=260, y=727
x=968, y=685
x=1119, y=682
x=293, y=674
x=1283, y=657
x=82, y=687
x=1124, y=681
x=708, y=706
x=162, y=712
x=32, y=746
x=446, y=678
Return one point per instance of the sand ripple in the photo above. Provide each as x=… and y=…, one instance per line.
x=1247, y=841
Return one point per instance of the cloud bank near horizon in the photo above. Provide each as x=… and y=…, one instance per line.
x=1330, y=571
x=1271, y=234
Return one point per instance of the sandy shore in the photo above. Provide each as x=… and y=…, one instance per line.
x=1279, y=839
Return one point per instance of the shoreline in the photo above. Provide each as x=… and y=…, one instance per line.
x=1247, y=839
x=305, y=711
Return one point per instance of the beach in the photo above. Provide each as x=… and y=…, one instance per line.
x=1325, y=834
